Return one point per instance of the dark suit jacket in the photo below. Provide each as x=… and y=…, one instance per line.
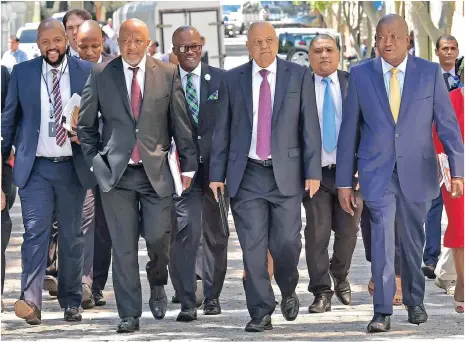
x=5, y=81
x=383, y=144
x=296, y=136
x=21, y=117
x=209, y=110
x=163, y=111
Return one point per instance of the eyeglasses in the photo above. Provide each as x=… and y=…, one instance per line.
x=259, y=42
x=193, y=48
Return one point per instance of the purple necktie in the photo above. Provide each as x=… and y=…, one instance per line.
x=264, y=118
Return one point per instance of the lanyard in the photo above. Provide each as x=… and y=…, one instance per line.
x=49, y=94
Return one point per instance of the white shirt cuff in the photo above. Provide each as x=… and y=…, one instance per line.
x=189, y=174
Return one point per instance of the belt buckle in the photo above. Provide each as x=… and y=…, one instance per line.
x=267, y=162
x=330, y=166
x=200, y=160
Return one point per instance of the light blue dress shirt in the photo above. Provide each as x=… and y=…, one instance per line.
x=400, y=74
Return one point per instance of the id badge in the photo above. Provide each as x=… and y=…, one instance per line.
x=52, y=133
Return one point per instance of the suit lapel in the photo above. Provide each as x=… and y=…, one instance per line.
x=343, y=85
x=120, y=83
x=204, y=85
x=378, y=81
x=74, y=76
x=409, y=86
x=246, y=85
x=282, y=77
x=150, y=85
x=35, y=88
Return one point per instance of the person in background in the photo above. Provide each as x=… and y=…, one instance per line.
x=152, y=50
x=71, y=21
x=411, y=46
x=204, y=57
x=14, y=55
x=453, y=238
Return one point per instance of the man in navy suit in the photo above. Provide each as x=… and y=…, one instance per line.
x=267, y=147
x=49, y=170
x=197, y=212
x=387, y=126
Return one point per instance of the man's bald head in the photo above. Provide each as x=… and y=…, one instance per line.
x=51, y=39
x=89, y=41
x=262, y=43
x=393, y=19
x=133, y=41
x=260, y=24
x=392, y=39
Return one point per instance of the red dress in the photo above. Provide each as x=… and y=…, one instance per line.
x=453, y=238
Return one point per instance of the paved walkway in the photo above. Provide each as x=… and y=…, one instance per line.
x=343, y=323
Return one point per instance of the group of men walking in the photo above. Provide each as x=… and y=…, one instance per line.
x=276, y=133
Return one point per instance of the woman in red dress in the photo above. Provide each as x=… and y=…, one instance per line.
x=453, y=237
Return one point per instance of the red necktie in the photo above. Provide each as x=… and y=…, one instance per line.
x=136, y=101
x=57, y=106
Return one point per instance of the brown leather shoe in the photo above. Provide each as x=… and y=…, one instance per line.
x=27, y=310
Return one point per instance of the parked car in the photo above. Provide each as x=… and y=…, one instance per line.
x=27, y=36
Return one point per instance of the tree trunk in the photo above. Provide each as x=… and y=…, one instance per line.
x=424, y=19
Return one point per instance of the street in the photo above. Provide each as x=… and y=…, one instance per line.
x=343, y=322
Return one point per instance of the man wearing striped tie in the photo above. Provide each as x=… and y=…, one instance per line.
x=386, y=130
x=50, y=170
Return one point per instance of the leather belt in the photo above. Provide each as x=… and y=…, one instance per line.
x=57, y=159
x=265, y=163
x=135, y=165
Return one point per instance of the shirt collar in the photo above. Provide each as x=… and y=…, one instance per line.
x=72, y=52
x=197, y=71
x=333, y=78
x=48, y=68
x=387, y=67
x=141, y=64
x=451, y=71
x=271, y=68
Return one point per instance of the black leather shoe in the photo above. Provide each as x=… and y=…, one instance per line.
x=99, y=299
x=428, y=271
x=211, y=307
x=128, y=325
x=259, y=325
x=290, y=307
x=342, y=290
x=72, y=315
x=175, y=299
x=187, y=315
x=320, y=304
x=27, y=310
x=379, y=323
x=158, y=302
x=417, y=314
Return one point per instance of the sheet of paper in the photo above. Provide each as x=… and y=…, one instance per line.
x=175, y=167
x=71, y=112
x=445, y=170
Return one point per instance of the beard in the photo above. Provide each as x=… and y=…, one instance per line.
x=57, y=62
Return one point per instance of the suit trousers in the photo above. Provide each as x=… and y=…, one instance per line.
x=410, y=216
x=433, y=232
x=198, y=218
x=52, y=187
x=266, y=219
x=88, y=229
x=133, y=199
x=325, y=214
x=7, y=181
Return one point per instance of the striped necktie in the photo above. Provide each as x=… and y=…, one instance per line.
x=57, y=107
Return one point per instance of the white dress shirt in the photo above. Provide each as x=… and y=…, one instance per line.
x=47, y=146
x=451, y=79
x=197, y=72
x=328, y=158
x=73, y=53
x=256, y=82
x=400, y=74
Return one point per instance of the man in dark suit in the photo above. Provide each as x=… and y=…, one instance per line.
x=396, y=160
x=323, y=211
x=49, y=168
x=132, y=168
x=197, y=211
x=267, y=147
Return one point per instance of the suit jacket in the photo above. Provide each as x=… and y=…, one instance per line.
x=5, y=81
x=209, y=110
x=407, y=145
x=22, y=114
x=163, y=115
x=295, y=137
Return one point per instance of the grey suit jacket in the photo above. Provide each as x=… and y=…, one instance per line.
x=295, y=137
x=163, y=116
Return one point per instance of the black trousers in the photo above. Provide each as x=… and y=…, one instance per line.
x=7, y=180
x=325, y=214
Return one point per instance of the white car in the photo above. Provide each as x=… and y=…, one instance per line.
x=27, y=36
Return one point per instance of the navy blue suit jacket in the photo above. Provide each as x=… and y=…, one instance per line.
x=22, y=114
x=369, y=134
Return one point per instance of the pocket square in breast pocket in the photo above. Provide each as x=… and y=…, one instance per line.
x=213, y=96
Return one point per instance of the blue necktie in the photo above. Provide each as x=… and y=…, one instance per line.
x=329, y=119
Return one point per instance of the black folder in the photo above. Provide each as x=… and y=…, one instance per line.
x=223, y=213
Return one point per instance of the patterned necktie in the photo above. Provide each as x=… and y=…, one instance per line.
x=57, y=107
x=394, y=94
x=446, y=76
x=264, y=118
x=136, y=101
x=329, y=119
x=191, y=97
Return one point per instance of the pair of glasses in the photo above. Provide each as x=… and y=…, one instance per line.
x=268, y=41
x=193, y=48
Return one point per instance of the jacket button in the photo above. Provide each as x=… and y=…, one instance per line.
x=397, y=135
x=137, y=130
x=199, y=137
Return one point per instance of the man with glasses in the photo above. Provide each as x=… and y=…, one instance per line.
x=197, y=212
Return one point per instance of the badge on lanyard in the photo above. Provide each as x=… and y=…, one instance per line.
x=52, y=133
